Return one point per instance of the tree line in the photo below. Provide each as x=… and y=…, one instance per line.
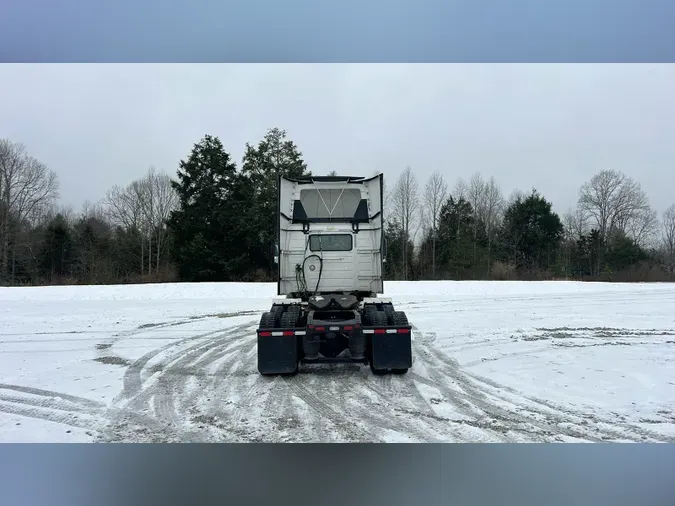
x=214, y=220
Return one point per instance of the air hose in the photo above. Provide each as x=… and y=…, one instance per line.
x=318, y=280
x=300, y=273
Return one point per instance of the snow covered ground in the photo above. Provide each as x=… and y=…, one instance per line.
x=493, y=362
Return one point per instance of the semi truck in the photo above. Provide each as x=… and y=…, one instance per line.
x=330, y=252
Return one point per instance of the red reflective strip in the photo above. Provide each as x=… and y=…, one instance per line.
x=357, y=326
x=403, y=331
x=265, y=334
x=349, y=327
x=379, y=331
x=289, y=332
x=321, y=329
x=310, y=326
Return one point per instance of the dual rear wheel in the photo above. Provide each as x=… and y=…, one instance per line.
x=281, y=317
x=385, y=317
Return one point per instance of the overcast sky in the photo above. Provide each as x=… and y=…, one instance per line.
x=545, y=126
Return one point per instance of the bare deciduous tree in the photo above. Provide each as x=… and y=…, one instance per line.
x=405, y=204
x=435, y=193
x=612, y=200
x=642, y=226
x=574, y=226
x=461, y=190
x=668, y=233
x=574, y=222
x=164, y=201
x=475, y=197
x=488, y=204
x=27, y=190
x=144, y=206
x=386, y=198
x=123, y=209
x=514, y=197
x=493, y=209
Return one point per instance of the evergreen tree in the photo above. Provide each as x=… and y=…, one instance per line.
x=395, y=238
x=205, y=228
x=57, y=250
x=455, y=234
x=274, y=156
x=531, y=232
x=95, y=263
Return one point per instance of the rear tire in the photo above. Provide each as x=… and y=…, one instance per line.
x=289, y=320
x=277, y=311
x=389, y=311
x=399, y=318
x=399, y=371
x=268, y=320
x=378, y=318
x=368, y=312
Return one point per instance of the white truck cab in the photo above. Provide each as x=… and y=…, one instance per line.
x=330, y=236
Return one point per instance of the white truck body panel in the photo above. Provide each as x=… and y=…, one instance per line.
x=352, y=261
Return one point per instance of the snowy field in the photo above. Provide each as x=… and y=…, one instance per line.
x=493, y=362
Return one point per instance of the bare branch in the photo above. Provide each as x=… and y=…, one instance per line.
x=668, y=235
x=642, y=226
x=28, y=190
x=493, y=207
x=515, y=196
x=123, y=208
x=574, y=222
x=405, y=205
x=612, y=200
x=435, y=194
x=461, y=190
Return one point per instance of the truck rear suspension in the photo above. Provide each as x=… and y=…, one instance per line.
x=297, y=334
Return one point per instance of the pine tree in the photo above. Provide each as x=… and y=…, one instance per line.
x=532, y=232
x=205, y=228
x=455, y=233
x=57, y=251
x=275, y=155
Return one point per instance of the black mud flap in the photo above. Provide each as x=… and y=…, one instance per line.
x=277, y=354
x=391, y=350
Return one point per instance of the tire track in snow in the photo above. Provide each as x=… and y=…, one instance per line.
x=546, y=408
x=210, y=404
x=80, y=401
x=137, y=391
x=398, y=405
x=552, y=418
x=133, y=382
x=347, y=413
x=222, y=402
x=50, y=406
x=344, y=425
x=140, y=394
x=486, y=413
x=176, y=402
x=274, y=401
x=63, y=408
x=232, y=393
x=208, y=389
